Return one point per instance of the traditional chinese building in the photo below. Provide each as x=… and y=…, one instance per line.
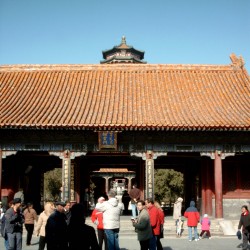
x=126, y=115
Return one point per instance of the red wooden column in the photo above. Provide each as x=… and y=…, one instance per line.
x=217, y=157
x=218, y=185
x=203, y=186
x=209, y=206
x=207, y=193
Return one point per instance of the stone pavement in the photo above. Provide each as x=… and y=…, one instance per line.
x=168, y=243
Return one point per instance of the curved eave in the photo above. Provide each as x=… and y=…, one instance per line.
x=131, y=49
x=101, y=127
x=119, y=59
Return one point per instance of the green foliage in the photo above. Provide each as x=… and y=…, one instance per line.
x=52, y=184
x=168, y=185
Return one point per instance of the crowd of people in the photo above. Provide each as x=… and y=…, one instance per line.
x=61, y=226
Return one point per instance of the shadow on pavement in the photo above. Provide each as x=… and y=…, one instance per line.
x=33, y=244
x=240, y=245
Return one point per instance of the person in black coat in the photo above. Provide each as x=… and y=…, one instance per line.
x=56, y=229
x=81, y=236
x=244, y=223
x=125, y=201
x=67, y=209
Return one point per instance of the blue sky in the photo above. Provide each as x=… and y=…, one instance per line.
x=169, y=31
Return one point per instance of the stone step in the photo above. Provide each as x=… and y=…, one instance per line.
x=126, y=227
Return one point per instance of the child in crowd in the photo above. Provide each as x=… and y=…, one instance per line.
x=205, y=227
x=179, y=227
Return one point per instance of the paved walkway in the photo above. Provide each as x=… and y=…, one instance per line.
x=168, y=243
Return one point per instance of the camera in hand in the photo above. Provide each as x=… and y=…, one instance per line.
x=133, y=219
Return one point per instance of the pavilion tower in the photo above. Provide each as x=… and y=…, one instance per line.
x=123, y=53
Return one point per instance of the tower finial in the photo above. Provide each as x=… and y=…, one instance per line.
x=123, y=40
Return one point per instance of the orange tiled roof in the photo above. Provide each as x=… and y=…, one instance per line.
x=123, y=96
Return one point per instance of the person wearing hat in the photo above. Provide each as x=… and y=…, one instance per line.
x=97, y=219
x=14, y=225
x=244, y=223
x=56, y=229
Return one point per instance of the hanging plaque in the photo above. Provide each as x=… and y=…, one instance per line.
x=149, y=178
x=107, y=140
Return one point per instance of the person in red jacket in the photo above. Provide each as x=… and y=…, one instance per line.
x=161, y=217
x=193, y=217
x=154, y=221
x=97, y=219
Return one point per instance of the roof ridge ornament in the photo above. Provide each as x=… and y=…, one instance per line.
x=237, y=61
